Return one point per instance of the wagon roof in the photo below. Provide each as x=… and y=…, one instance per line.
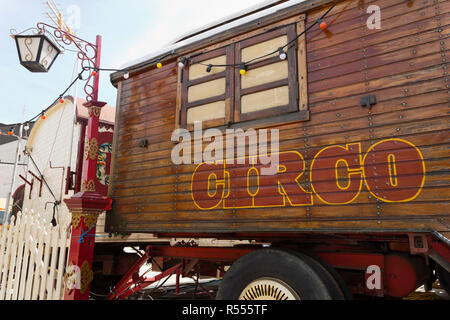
x=238, y=21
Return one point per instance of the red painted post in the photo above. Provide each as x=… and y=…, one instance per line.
x=86, y=205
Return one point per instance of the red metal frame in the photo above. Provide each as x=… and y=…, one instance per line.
x=38, y=179
x=29, y=183
x=205, y=253
x=132, y=282
x=340, y=256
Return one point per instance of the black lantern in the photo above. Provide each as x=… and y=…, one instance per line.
x=36, y=52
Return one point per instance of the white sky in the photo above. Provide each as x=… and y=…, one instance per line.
x=130, y=29
x=175, y=18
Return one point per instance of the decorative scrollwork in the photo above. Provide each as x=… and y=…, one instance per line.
x=91, y=150
x=76, y=219
x=89, y=186
x=90, y=218
x=50, y=50
x=93, y=110
x=86, y=51
x=86, y=276
x=29, y=55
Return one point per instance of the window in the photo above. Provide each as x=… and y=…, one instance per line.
x=206, y=96
x=267, y=94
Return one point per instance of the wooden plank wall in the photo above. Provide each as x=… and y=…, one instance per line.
x=405, y=64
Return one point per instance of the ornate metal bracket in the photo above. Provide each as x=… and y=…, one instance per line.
x=87, y=52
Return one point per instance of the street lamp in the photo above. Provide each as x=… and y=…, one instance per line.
x=36, y=52
x=88, y=204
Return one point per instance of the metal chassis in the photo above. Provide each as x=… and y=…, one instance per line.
x=339, y=257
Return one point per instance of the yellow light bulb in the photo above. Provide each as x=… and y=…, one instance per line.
x=159, y=65
x=242, y=72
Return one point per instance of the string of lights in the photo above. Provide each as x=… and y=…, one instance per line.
x=158, y=63
x=281, y=50
x=42, y=114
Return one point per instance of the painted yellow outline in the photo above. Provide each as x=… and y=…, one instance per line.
x=284, y=193
x=209, y=187
x=281, y=168
x=423, y=165
x=218, y=182
x=359, y=171
x=248, y=181
x=392, y=170
x=337, y=174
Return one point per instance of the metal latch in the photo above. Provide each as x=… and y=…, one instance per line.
x=369, y=101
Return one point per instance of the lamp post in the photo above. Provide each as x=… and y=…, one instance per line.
x=86, y=205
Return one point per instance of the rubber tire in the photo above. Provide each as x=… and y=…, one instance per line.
x=444, y=277
x=347, y=295
x=295, y=269
x=335, y=283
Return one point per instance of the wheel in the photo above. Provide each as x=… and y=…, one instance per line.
x=334, y=281
x=347, y=295
x=274, y=274
x=444, y=277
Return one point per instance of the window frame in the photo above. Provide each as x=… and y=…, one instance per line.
x=291, y=81
x=186, y=84
x=296, y=112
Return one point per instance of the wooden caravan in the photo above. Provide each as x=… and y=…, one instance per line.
x=357, y=93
